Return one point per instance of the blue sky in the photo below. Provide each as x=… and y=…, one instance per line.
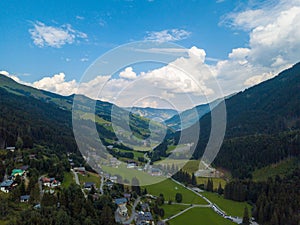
x=46, y=38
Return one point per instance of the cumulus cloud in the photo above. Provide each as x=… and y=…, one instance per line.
x=258, y=79
x=167, y=35
x=43, y=35
x=57, y=84
x=128, y=73
x=274, y=34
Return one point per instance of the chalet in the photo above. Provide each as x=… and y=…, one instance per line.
x=131, y=165
x=122, y=209
x=88, y=185
x=144, y=218
x=50, y=182
x=80, y=170
x=24, y=198
x=12, y=149
x=155, y=172
x=7, y=185
x=17, y=172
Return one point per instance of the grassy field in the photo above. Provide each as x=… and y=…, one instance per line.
x=90, y=177
x=281, y=168
x=171, y=210
x=216, y=181
x=68, y=179
x=169, y=189
x=143, y=177
x=200, y=216
x=232, y=208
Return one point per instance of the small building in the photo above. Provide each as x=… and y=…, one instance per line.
x=12, y=149
x=17, y=172
x=113, y=179
x=145, y=207
x=131, y=165
x=155, y=172
x=7, y=185
x=24, y=198
x=144, y=218
x=88, y=185
x=50, y=182
x=122, y=209
x=80, y=170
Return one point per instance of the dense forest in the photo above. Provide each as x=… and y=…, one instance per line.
x=276, y=201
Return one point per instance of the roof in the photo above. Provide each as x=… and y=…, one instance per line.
x=7, y=183
x=88, y=184
x=25, y=197
x=146, y=216
x=120, y=201
x=155, y=170
x=16, y=172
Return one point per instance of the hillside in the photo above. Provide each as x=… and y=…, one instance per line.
x=263, y=125
x=41, y=117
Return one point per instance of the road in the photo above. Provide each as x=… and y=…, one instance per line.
x=41, y=187
x=148, y=162
x=101, y=184
x=77, y=182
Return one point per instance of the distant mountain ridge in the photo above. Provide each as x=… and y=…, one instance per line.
x=152, y=113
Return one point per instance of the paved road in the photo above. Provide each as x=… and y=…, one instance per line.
x=77, y=182
x=101, y=185
x=41, y=187
x=76, y=177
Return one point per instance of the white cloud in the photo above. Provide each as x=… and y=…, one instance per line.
x=128, y=73
x=57, y=84
x=43, y=35
x=274, y=34
x=85, y=59
x=80, y=17
x=258, y=79
x=167, y=35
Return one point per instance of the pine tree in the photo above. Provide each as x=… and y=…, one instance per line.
x=246, y=217
x=220, y=189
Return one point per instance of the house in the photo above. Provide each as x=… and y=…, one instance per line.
x=144, y=218
x=54, y=182
x=122, y=209
x=12, y=149
x=7, y=185
x=131, y=165
x=155, y=172
x=127, y=196
x=17, y=172
x=45, y=181
x=50, y=182
x=24, y=198
x=80, y=170
x=113, y=179
x=145, y=207
x=88, y=185
x=110, y=147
